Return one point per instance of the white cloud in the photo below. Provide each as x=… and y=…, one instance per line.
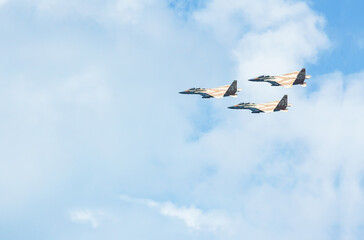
x=86, y=216
x=129, y=10
x=297, y=171
x=109, y=12
x=114, y=121
x=267, y=36
x=193, y=217
x=2, y=2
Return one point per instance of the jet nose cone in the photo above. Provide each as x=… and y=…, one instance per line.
x=232, y=107
x=183, y=92
x=252, y=79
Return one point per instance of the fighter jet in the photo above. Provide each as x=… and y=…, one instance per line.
x=265, y=107
x=219, y=92
x=286, y=80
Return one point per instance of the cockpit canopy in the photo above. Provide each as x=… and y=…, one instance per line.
x=194, y=88
x=263, y=76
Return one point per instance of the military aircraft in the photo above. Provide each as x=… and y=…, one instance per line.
x=219, y=92
x=286, y=80
x=265, y=107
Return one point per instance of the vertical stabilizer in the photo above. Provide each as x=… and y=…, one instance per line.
x=301, y=77
x=282, y=105
x=232, y=89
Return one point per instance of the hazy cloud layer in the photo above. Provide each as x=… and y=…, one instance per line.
x=86, y=216
x=90, y=110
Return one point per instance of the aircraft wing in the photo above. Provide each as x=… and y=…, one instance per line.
x=218, y=92
x=294, y=78
x=224, y=91
x=267, y=107
x=280, y=105
x=287, y=80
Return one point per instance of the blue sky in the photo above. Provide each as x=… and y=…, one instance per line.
x=344, y=27
x=96, y=142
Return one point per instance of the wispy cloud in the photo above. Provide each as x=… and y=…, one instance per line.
x=91, y=99
x=87, y=216
x=266, y=37
x=2, y=2
x=193, y=217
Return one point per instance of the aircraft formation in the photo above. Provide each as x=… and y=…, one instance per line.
x=286, y=80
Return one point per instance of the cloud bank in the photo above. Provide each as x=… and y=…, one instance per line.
x=90, y=111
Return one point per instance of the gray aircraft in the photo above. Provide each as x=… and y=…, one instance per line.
x=286, y=80
x=265, y=107
x=219, y=92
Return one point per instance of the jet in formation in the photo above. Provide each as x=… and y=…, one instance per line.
x=280, y=105
x=286, y=80
x=219, y=92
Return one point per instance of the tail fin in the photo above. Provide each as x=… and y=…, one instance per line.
x=282, y=105
x=301, y=77
x=232, y=89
